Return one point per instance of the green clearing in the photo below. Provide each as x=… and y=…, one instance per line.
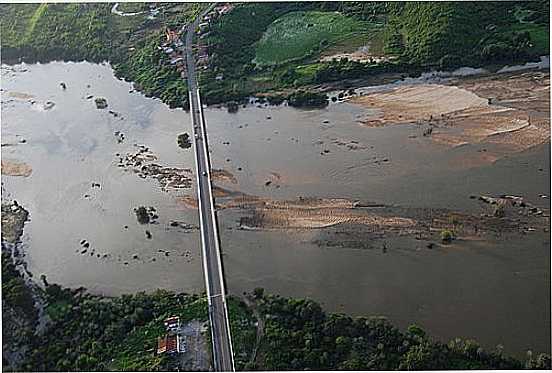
x=539, y=34
x=374, y=40
x=299, y=34
x=132, y=7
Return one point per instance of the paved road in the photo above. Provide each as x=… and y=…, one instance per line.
x=212, y=266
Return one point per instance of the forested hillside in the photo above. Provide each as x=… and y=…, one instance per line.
x=467, y=33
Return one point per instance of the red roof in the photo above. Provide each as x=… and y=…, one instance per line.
x=168, y=344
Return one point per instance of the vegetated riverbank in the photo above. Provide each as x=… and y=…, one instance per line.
x=49, y=327
x=92, y=32
x=492, y=33
x=120, y=333
x=406, y=38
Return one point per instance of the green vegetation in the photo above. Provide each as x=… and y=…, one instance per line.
x=19, y=316
x=132, y=7
x=135, y=350
x=298, y=35
x=300, y=336
x=91, y=32
x=142, y=215
x=447, y=236
x=149, y=69
x=63, y=31
x=14, y=290
x=453, y=34
x=242, y=330
x=96, y=333
x=307, y=99
x=183, y=141
x=89, y=332
x=269, y=47
x=276, y=47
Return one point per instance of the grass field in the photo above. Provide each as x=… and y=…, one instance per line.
x=540, y=36
x=300, y=34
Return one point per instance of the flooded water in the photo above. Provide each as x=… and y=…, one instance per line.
x=496, y=291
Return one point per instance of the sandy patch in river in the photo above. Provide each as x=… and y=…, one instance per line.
x=223, y=176
x=498, y=215
x=319, y=213
x=21, y=95
x=15, y=168
x=507, y=109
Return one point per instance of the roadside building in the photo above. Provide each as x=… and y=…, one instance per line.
x=203, y=26
x=172, y=323
x=224, y=9
x=171, y=35
x=176, y=60
x=202, y=61
x=169, y=344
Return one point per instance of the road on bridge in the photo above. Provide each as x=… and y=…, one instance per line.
x=212, y=266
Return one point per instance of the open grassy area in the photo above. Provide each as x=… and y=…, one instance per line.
x=539, y=34
x=300, y=34
x=132, y=7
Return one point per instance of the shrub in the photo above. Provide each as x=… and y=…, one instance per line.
x=307, y=99
x=142, y=215
x=184, y=141
x=447, y=236
x=232, y=107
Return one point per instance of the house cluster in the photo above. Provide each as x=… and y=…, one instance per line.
x=203, y=32
x=172, y=342
x=172, y=48
x=173, y=43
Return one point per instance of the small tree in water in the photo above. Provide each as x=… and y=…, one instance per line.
x=184, y=141
x=446, y=236
x=142, y=215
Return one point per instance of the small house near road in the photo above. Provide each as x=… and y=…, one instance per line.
x=172, y=323
x=168, y=344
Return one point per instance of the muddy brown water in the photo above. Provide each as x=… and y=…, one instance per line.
x=494, y=290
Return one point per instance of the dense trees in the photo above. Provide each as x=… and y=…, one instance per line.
x=307, y=99
x=474, y=33
x=299, y=335
x=90, y=332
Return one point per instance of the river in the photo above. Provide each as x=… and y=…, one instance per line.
x=496, y=291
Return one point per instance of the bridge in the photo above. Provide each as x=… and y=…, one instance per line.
x=223, y=356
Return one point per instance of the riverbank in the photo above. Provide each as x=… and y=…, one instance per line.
x=130, y=42
x=248, y=53
x=121, y=333
x=118, y=333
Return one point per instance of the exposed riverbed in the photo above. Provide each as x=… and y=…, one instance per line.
x=493, y=286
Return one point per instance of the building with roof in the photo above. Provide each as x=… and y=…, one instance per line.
x=168, y=344
x=172, y=323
